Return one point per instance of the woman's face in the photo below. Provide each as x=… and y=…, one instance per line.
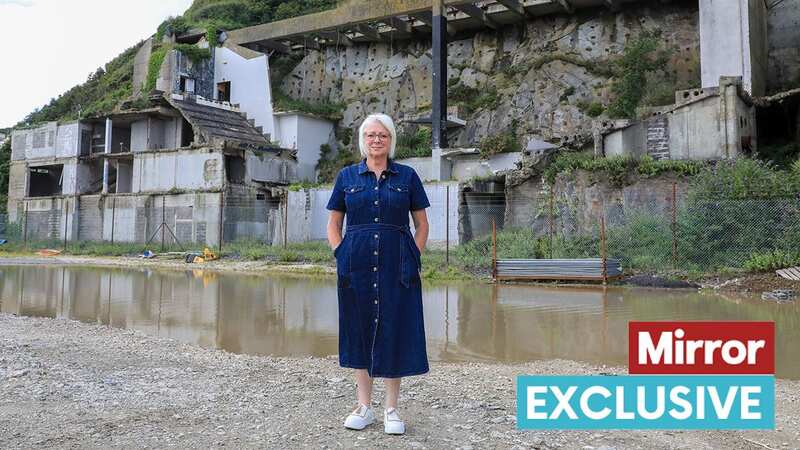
x=378, y=140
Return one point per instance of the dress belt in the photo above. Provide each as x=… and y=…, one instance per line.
x=405, y=230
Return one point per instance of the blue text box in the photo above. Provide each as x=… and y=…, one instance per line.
x=748, y=401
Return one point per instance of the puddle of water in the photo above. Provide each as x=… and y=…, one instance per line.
x=276, y=315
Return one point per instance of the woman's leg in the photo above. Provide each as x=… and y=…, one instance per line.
x=392, y=391
x=364, y=385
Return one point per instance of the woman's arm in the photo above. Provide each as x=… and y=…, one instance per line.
x=335, y=222
x=421, y=228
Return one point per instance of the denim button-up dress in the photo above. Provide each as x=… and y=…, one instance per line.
x=381, y=327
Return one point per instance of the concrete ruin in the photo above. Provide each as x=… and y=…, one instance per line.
x=185, y=162
x=704, y=124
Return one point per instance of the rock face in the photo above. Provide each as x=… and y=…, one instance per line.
x=544, y=72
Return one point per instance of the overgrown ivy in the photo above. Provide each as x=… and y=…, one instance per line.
x=414, y=144
x=154, y=67
x=618, y=169
x=641, y=57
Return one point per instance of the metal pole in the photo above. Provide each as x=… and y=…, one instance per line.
x=163, y=221
x=113, y=212
x=439, y=94
x=552, y=219
x=494, y=252
x=447, y=228
x=603, y=249
x=674, y=226
x=221, y=218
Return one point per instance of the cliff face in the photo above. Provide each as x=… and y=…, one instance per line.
x=540, y=77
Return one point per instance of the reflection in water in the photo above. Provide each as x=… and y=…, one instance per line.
x=274, y=315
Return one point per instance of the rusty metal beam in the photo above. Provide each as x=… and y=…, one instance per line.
x=477, y=13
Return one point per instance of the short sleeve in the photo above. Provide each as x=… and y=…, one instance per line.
x=419, y=199
x=336, y=201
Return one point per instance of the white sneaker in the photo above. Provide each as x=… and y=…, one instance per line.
x=392, y=424
x=360, y=418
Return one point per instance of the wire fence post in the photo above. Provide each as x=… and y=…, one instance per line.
x=113, y=212
x=552, y=230
x=494, y=251
x=221, y=220
x=603, y=248
x=163, y=221
x=447, y=228
x=674, y=226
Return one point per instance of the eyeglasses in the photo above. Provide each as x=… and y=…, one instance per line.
x=375, y=137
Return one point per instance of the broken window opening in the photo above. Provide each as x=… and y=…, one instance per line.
x=224, y=91
x=124, y=176
x=45, y=181
x=120, y=139
x=187, y=133
x=187, y=85
x=235, y=169
x=778, y=125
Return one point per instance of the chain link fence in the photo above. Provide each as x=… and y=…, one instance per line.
x=670, y=233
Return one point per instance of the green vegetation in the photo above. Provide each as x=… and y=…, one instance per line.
x=618, y=169
x=499, y=143
x=193, y=52
x=154, y=68
x=641, y=57
x=328, y=167
x=413, y=144
x=643, y=76
x=328, y=110
x=591, y=109
x=770, y=261
x=472, y=99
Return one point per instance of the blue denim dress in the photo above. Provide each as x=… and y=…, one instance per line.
x=381, y=327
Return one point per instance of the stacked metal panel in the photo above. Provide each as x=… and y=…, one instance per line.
x=558, y=268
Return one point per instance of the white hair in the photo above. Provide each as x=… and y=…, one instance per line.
x=384, y=121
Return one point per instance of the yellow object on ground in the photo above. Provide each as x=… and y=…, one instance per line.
x=208, y=255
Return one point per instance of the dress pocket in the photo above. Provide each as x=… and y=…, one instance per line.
x=409, y=263
x=399, y=197
x=354, y=197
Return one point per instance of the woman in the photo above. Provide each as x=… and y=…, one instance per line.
x=381, y=328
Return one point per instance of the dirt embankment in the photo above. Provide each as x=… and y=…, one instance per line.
x=66, y=384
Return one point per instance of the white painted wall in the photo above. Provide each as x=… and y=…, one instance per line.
x=177, y=170
x=465, y=167
x=733, y=42
x=249, y=85
x=308, y=217
x=67, y=140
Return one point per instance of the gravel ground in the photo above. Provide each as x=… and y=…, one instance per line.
x=67, y=384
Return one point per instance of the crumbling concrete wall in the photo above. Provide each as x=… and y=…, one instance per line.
x=249, y=213
x=733, y=42
x=34, y=143
x=177, y=170
x=248, y=73
x=543, y=71
x=784, y=45
x=141, y=66
x=579, y=199
x=308, y=218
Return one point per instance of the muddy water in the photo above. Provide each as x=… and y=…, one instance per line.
x=277, y=315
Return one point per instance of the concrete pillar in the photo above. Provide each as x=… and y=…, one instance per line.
x=106, y=150
x=733, y=42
